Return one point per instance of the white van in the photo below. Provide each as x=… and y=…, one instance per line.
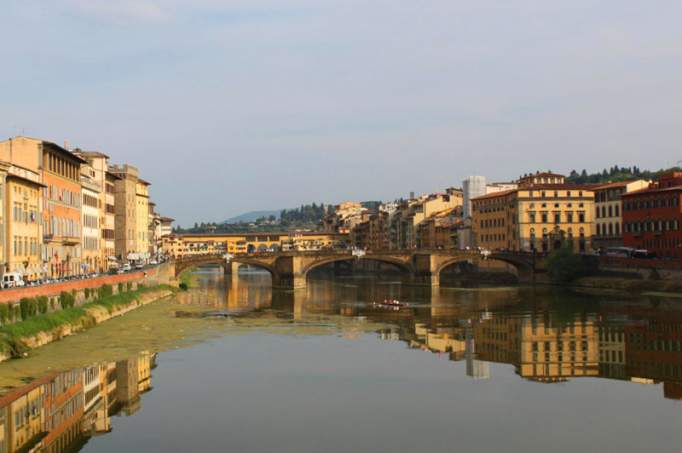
x=12, y=280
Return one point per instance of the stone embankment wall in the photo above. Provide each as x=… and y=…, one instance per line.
x=159, y=275
x=85, y=291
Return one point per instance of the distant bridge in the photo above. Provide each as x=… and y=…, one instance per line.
x=289, y=270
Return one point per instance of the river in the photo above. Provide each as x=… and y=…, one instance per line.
x=331, y=369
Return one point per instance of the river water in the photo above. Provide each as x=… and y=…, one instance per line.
x=328, y=370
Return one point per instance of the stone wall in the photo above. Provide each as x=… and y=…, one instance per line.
x=162, y=274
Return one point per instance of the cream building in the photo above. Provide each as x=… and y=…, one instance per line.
x=98, y=163
x=143, y=243
x=542, y=214
x=92, y=215
x=608, y=212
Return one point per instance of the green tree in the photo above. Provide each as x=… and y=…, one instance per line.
x=564, y=266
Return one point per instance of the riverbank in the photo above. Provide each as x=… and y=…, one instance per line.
x=627, y=286
x=17, y=339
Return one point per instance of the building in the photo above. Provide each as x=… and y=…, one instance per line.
x=143, y=243
x=608, y=212
x=131, y=205
x=440, y=230
x=98, y=162
x=183, y=245
x=92, y=216
x=472, y=187
x=542, y=214
x=404, y=223
x=62, y=217
x=652, y=217
x=21, y=194
x=343, y=218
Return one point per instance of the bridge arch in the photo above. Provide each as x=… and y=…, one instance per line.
x=400, y=264
x=523, y=268
x=254, y=263
x=186, y=264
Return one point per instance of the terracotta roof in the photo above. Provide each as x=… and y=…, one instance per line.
x=611, y=185
x=653, y=190
x=495, y=194
x=91, y=153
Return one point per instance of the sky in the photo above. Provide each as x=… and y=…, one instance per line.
x=229, y=106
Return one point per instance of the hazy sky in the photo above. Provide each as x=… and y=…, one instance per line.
x=235, y=105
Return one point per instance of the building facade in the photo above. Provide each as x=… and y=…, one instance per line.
x=92, y=215
x=21, y=229
x=608, y=212
x=125, y=206
x=542, y=214
x=62, y=216
x=652, y=217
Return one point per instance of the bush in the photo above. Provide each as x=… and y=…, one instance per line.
x=66, y=300
x=564, y=266
x=184, y=286
x=105, y=291
x=16, y=313
x=42, y=304
x=87, y=292
x=28, y=308
x=120, y=287
x=4, y=313
x=129, y=286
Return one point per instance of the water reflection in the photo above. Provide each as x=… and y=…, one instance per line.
x=63, y=410
x=547, y=337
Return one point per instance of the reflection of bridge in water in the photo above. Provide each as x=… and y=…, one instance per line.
x=289, y=270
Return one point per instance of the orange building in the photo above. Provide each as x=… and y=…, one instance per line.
x=61, y=211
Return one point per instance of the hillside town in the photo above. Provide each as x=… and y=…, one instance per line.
x=538, y=212
x=70, y=213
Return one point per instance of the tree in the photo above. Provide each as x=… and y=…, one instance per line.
x=564, y=266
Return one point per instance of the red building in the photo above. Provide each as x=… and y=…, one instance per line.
x=652, y=217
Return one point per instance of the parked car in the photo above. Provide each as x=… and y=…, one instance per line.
x=153, y=262
x=126, y=267
x=644, y=254
x=12, y=280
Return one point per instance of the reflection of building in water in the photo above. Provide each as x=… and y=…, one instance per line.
x=654, y=351
x=64, y=410
x=496, y=338
x=551, y=352
x=133, y=377
x=476, y=369
x=612, y=351
x=61, y=411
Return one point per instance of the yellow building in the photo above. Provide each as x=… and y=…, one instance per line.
x=142, y=219
x=22, y=232
x=542, y=214
x=182, y=245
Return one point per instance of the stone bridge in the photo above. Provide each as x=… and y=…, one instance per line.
x=289, y=270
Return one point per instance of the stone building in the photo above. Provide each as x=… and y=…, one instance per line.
x=608, y=212
x=542, y=214
x=21, y=193
x=62, y=206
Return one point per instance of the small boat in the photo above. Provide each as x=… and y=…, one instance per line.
x=392, y=303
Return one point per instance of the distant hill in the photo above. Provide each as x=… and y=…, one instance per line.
x=252, y=216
